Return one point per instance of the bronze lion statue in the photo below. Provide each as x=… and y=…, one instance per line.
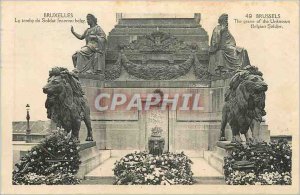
x=244, y=103
x=66, y=103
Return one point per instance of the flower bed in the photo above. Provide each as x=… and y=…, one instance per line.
x=142, y=168
x=272, y=164
x=54, y=161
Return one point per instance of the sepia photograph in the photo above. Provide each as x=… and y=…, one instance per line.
x=147, y=97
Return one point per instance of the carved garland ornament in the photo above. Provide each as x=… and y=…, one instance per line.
x=156, y=72
x=157, y=43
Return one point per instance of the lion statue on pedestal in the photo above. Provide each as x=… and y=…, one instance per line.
x=244, y=103
x=66, y=103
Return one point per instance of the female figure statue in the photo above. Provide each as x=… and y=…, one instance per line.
x=91, y=58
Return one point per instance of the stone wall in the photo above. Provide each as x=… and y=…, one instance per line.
x=191, y=131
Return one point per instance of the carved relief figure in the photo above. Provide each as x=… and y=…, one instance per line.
x=225, y=56
x=91, y=58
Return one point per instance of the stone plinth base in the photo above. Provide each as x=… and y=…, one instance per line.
x=216, y=158
x=92, y=76
x=34, y=138
x=90, y=157
x=31, y=138
x=20, y=148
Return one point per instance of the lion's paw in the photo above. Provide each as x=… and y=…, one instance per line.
x=222, y=139
x=76, y=140
x=89, y=138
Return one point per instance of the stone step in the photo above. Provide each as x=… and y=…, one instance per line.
x=217, y=162
x=198, y=181
x=90, y=158
x=206, y=154
x=103, y=171
x=210, y=181
x=221, y=151
x=99, y=181
x=189, y=153
x=120, y=153
x=216, y=159
x=203, y=173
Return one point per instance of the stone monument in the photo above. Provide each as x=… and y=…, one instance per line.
x=172, y=55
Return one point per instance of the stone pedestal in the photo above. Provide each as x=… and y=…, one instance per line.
x=262, y=132
x=35, y=138
x=90, y=155
x=223, y=149
x=90, y=158
x=216, y=158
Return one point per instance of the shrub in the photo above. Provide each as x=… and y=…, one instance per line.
x=55, y=160
x=272, y=164
x=142, y=168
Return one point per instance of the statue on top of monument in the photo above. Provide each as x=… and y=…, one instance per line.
x=225, y=56
x=91, y=57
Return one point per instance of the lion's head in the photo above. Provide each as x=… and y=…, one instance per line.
x=55, y=88
x=248, y=87
x=62, y=89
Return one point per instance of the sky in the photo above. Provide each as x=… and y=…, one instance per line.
x=29, y=50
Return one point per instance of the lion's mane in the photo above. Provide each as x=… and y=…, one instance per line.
x=245, y=99
x=70, y=103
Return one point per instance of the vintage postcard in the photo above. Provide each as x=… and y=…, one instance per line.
x=149, y=97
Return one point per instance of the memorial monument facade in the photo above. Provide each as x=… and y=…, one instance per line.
x=166, y=55
x=149, y=98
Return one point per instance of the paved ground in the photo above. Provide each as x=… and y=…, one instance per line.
x=201, y=168
x=203, y=173
x=104, y=170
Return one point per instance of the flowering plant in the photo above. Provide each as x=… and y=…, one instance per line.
x=271, y=164
x=142, y=168
x=55, y=160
